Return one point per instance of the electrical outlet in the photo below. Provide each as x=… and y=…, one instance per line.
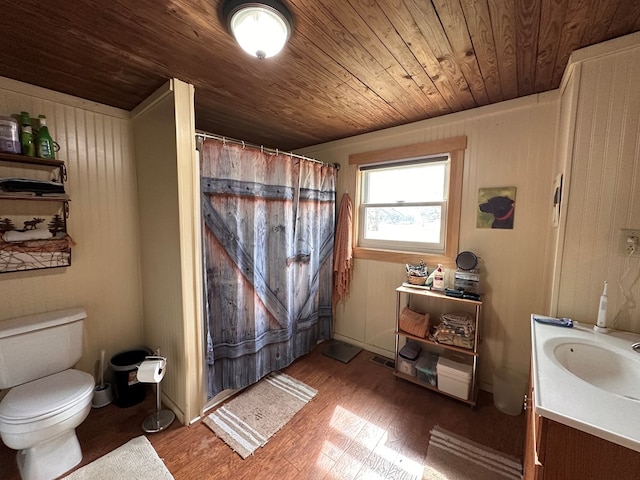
x=629, y=242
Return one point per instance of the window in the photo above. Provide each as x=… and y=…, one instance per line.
x=403, y=205
x=408, y=202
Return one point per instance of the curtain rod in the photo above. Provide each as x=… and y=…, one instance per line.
x=262, y=148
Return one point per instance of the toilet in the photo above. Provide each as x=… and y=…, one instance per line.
x=47, y=399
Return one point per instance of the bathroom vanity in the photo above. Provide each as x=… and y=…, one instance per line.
x=583, y=405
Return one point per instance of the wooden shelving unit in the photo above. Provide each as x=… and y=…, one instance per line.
x=407, y=292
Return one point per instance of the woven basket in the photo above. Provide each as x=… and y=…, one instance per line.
x=415, y=280
x=414, y=323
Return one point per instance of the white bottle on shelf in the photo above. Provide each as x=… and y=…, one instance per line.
x=438, y=279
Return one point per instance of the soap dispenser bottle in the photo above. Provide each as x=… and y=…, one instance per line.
x=438, y=278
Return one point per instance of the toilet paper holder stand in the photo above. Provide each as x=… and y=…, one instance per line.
x=160, y=419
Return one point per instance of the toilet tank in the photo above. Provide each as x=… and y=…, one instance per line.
x=35, y=346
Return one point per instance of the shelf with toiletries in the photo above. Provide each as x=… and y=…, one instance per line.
x=34, y=208
x=445, y=333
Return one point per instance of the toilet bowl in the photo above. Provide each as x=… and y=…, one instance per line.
x=38, y=416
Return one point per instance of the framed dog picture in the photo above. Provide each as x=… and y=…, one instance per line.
x=496, y=207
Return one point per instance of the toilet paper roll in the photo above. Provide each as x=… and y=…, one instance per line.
x=151, y=371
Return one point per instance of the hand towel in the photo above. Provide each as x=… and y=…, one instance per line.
x=343, y=250
x=35, y=234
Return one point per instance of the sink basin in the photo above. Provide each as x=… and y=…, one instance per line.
x=601, y=367
x=588, y=381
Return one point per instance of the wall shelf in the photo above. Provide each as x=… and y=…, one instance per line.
x=11, y=157
x=36, y=198
x=48, y=209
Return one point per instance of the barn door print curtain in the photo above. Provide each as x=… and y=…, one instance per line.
x=268, y=247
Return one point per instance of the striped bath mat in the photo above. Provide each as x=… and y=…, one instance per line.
x=453, y=457
x=250, y=419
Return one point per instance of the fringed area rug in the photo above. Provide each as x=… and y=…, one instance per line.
x=452, y=457
x=136, y=459
x=250, y=419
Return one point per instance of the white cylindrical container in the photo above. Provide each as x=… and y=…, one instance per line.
x=601, y=322
x=508, y=390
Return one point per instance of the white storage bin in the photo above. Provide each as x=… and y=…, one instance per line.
x=408, y=367
x=454, y=376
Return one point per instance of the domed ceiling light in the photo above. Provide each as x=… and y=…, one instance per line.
x=261, y=28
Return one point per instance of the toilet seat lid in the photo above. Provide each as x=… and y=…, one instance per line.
x=46, y=396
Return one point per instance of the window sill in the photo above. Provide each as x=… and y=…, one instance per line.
x=393, y=256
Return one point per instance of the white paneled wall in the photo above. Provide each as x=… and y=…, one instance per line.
x=104, y=276
x=510, y=144
x=604, y=187
x=170, y=230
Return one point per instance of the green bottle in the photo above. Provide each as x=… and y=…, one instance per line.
x=44, y=142
x=26, y=135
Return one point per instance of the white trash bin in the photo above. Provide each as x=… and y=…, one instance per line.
x=508, y=390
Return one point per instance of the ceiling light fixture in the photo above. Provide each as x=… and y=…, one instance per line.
x=261, y=28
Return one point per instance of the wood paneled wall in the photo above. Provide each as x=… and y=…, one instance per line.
x=104, y=276
x=114, y=235
x=170, y=252
x=510, y=144
x=604, y=189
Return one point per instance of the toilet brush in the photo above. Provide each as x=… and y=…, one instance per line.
x=102, y=395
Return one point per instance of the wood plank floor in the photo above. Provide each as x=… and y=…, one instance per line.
x=364, y=423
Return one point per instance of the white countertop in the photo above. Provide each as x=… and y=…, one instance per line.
x=565, y=398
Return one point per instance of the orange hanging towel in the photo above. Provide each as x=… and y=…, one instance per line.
x=343, y=250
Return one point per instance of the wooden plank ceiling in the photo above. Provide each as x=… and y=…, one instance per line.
x=351, y=66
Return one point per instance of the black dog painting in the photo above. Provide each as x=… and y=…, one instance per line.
x=497, y=207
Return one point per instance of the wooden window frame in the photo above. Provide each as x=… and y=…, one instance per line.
x=455, y=148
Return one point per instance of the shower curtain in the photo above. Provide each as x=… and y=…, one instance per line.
x=268, y=230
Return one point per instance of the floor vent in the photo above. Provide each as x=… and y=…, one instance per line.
x=384, y=361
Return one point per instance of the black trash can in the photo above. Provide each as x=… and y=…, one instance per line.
x=125, y=368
